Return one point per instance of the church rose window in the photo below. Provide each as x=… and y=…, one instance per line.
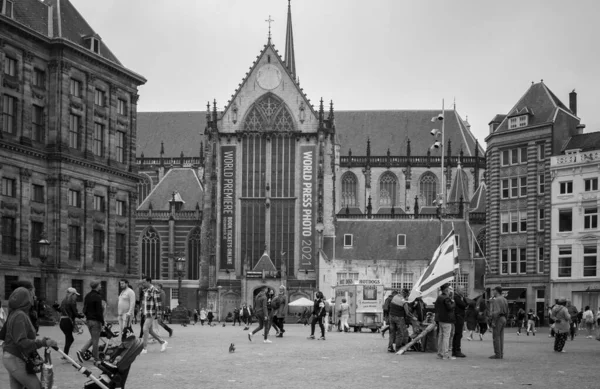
x=349, y=190
x=151, y=254
x=428, y=188
x=387, y=190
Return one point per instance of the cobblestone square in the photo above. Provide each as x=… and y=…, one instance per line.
x=198, y=357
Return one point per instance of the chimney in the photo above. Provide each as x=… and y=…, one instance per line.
x=573, y=102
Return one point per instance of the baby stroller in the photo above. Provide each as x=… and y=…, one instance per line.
x=107, y=344
x=114, y=372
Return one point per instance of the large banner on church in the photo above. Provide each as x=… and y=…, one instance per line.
x=227, y=207
x=308, y=187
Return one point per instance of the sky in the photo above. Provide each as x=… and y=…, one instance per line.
x=363, y=55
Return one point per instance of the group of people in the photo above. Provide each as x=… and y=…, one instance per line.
x=269, y=311
x=526, y=321
x=399, y=314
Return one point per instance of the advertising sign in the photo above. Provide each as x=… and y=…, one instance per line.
x=227, y=207
x=308, y=241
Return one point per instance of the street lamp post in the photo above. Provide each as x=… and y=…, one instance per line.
x=219, y=301
x=44, y=244
x=180, y=265
x=440, y=202
x=319, y=227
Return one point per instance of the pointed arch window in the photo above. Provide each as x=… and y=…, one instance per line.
x=283, y=121
x=150, y=253
x=388, y=188
x=194, y=255
x=144, y=187
x=349, y=190
x=480, y=248
x=269, y=113
x=428, y=188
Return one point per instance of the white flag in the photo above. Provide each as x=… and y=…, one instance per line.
x=440, y=269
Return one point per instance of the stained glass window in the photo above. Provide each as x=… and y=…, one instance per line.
x=387, y=189
x=151, y=254
x=349, y=190
x=144, y=187
x=428, y=188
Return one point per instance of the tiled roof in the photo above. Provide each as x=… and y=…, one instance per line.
x=376, y=239
x=583, y=142
x=391, y=129
x=180, y=132
x=69, y=24
x=497, y=119
x=478, y=202
x=181, y=180
x=539, y=102
x=460, y=187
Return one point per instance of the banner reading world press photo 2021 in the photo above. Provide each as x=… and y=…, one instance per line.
x=308, y=190
x=228, y=154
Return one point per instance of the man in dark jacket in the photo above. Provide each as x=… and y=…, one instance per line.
x=318, y=314
x=460, y=306
x=444, y=315
x=261, y=313
x=399, y=316
x=386, y=313
x=160, y=321
x=94, y=314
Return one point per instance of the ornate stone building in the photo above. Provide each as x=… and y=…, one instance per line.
x=67, y=152
x=283, y=182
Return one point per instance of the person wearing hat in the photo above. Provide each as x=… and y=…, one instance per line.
x=68, y=314
x=94, y=314
x=498, y=313
x=19, y=339
x=562, y=324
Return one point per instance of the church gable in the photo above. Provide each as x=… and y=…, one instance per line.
x=269, y=96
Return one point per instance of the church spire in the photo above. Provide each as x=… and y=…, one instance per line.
x=290, y=58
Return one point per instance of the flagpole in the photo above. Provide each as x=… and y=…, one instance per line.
x=443, y=200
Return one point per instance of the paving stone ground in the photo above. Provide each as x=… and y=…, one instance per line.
x=198, y=357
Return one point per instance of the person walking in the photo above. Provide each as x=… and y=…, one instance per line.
x=444, y=315
x=68, y=314
x=531, y=318
x=471, y=318
x=588, y=321
x=125, y=306
x=318, y=315
x=203, y=315
x=272, y=310
x=20, y=341
x=498, y=313
x=460, y=305
x=151, y=311
x=246, y=316
x=160, y=321
x=262, y=315
x=482, y=316
x=282, y=301
x=520, y=320
x=345, y=315
x=94, y=314
x=562, y=324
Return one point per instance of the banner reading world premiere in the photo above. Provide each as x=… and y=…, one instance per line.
x=308, y=243
x=227, y=207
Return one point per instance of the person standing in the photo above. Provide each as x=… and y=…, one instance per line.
x=444, y=315
x=386, y=313
x=471, y=318
x=94, y=314
x=161, y=322
x=318, y=316
x=125, y=305
x=598, y=320
x=460, y=305
x=531, y=318
x=68, y=314
x=272, y=310
x=588, y=321
x=345, y=315
x=236, y=317
x=520, y=320
x=562, y=324
x=203, y=315
x=246, y=315
x=151, y=310
x=498, y=312
x=19, y=339
x=482, y=316
x=210, y=316
x=573, y=312
x=399, y=316
x=262, y=314
x=281, y=310
x=196, y=314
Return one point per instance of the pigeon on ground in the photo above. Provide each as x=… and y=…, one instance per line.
x=231, y=348
x=223, y=324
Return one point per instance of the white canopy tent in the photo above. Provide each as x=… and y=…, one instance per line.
x=301, y=302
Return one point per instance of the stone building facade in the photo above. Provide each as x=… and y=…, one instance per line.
x=520, y=146
x=67, y=153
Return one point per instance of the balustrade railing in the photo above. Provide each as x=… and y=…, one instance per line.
x=402, y=161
